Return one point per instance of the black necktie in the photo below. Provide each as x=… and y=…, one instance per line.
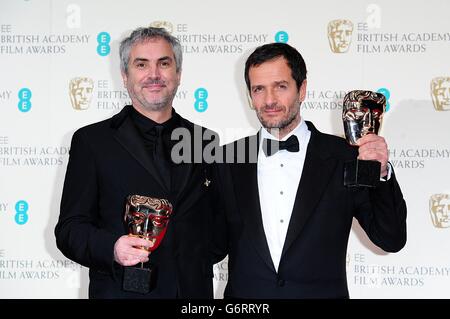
x=160, y=158
x=270, y=147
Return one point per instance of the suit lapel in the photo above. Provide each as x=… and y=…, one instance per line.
x=316, y=175
x=245, y=180
x=128, y=136
x=182, y=173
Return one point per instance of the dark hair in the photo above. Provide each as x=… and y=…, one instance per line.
x=271, y=51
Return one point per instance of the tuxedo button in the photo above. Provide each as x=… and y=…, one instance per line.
x=281, y=282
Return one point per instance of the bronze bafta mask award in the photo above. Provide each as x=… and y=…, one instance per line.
x=362, y=114
x=147, y=218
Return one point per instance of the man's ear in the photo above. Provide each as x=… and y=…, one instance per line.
x=249, y=100
x=302, y=91
x=179, y=77
x=124, y=79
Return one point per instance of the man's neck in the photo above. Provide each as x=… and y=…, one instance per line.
x=160, y=116
x=280, y=133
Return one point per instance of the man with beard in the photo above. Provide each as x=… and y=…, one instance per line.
x=130, y=154
x=287, y=212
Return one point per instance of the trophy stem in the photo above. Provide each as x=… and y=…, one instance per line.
x=146, y=218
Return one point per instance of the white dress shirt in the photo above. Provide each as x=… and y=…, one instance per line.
x=278, y=180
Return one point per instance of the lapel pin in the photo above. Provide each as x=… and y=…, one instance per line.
x=207, y=182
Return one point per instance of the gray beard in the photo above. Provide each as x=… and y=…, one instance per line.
x=157, y=106
x=160, y=105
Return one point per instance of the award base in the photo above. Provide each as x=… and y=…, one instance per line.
x=140, y=280
x=360, y=173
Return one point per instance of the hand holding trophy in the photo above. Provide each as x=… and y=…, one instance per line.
x=362, y=115
x=147, y=218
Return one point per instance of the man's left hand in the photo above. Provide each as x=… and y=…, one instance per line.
x=374, y=148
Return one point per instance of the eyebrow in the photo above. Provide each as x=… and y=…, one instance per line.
x=274, y=83
x=281, y=82
x=164, y=58
x=140, y=60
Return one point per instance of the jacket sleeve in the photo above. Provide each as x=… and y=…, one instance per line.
x=381, y=212
x=77, y=233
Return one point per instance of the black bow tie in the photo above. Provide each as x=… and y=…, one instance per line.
x=270, y=147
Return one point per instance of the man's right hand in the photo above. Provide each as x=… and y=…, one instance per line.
x=126, y=253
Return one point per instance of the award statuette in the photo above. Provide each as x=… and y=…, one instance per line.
x=362, y=114
x=147, y=218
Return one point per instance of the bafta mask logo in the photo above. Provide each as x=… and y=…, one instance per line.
x=340, y=35
x=162, y=24
x=362, y=114
x=147, y=217
x=440, y=210
x=440, y=92
x=80, y=92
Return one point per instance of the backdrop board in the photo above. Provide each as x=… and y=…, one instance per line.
x=59, y=71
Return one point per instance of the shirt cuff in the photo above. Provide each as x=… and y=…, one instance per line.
x=389, y=173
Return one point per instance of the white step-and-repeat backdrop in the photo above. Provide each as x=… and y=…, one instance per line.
x=59, y=70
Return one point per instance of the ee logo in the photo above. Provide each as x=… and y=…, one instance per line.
x=281, y=37
x=21, y=216
x=24, y=100
x=103, y=40
x=201, y=104
x=387, y=94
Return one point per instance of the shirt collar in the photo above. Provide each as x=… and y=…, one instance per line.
x=299, y=131
x=146, y=124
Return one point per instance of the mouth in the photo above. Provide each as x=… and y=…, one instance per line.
x=154, y=87
x=154, y=84
x=272, y=110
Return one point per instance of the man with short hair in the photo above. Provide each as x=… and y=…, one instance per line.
x=287, y=215
x=130, y=154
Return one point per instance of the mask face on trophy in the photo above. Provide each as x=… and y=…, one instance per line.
x=362, y=114
x=147, y=218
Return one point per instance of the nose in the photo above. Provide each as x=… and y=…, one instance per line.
x=154, y=72
x=447, y=94
x=340, y=36
x=368, y=122
x=446, y=211
x=367, y=119
x=270, y=98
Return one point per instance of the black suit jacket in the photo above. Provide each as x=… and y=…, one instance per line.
x=108, y=161
x=313, y=260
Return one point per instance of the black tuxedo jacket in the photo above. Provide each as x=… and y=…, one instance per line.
x=313, y=260
x=108, y=161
